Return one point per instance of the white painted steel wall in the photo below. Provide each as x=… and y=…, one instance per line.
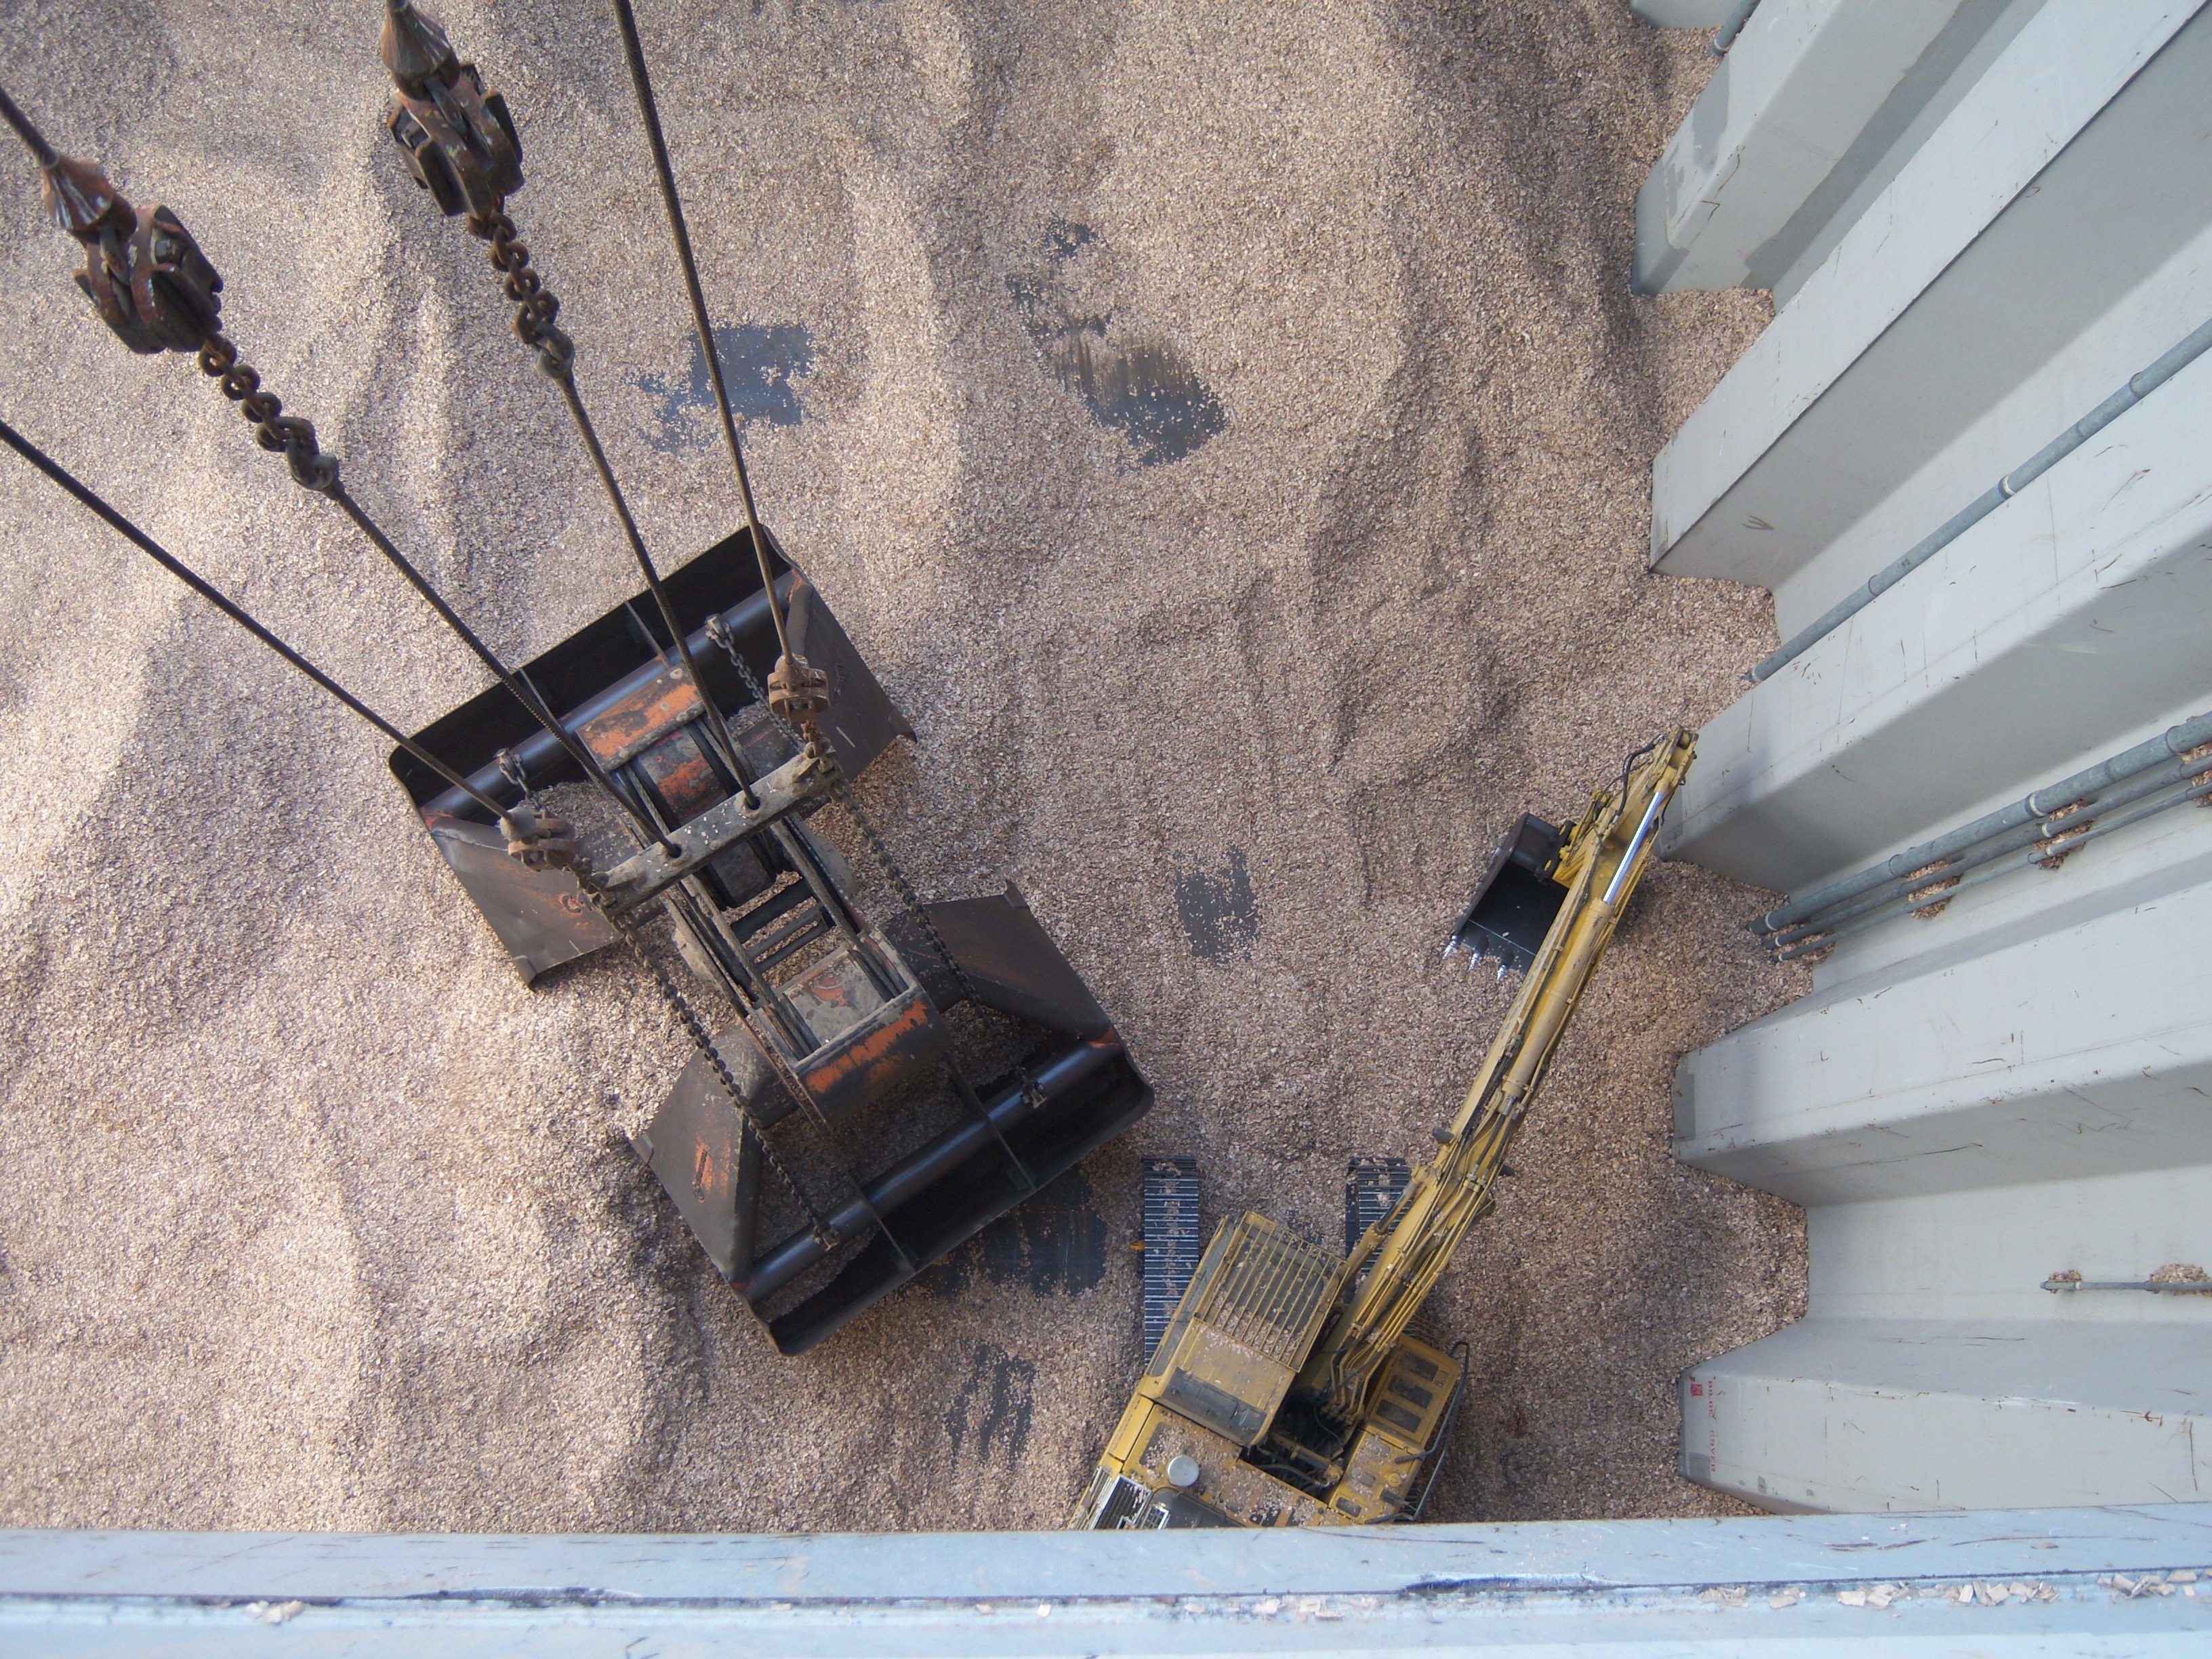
x=1684, y=14
x=2010, y=280
x=1808, y=105
x=2020, y=1084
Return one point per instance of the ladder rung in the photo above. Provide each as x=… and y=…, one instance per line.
x=812, y=928
x=772, y=909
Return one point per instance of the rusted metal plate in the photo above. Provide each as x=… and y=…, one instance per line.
x=681, y=775
x=541, y=916
x=695, y=1145
x=874, y=1054
x=643, y=874
x=834, y=996
x=1007, y=956
x=645, y=714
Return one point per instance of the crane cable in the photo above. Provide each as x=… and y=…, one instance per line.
x=90, y=500
x=430, y=76
x=641, y=82
x=171, y=301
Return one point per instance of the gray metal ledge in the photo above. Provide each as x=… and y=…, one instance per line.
x=2087, y=1581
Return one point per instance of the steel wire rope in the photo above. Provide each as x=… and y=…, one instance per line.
x=641, y=82
x=536, y=306
x=89, y=499
x=294, y=438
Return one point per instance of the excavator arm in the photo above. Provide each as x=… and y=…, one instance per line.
x=1398, y=1262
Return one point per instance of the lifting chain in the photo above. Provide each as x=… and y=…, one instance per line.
x=696, y=1028
x=718, y=632
x=825, y=1234
x=289, y=435
x=539, y=841
x=701, y=1039
x=536, y=306
x=1032, y=1095
x=802, y=1097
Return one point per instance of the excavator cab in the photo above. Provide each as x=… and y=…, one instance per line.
x=847, y=1132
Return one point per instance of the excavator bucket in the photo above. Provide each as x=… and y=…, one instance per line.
x=848, y=1132
x=1516, y=901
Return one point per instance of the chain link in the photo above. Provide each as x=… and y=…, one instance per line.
x=802, y=1097
x=288, y=436
x=536, y=306
x=1031, y=1094
x=680, y=1004
x=718, y=632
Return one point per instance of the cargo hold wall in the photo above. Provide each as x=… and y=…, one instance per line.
x=1997, y=1102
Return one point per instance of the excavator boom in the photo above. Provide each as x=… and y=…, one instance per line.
x=1398, y=1263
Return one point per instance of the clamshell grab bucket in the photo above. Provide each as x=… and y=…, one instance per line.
x=612, y=681
x=869, y=1136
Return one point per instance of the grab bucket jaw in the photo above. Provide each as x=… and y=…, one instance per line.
x=1071, y=1089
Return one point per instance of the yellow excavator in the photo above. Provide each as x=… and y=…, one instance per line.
x=1292, y=1388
